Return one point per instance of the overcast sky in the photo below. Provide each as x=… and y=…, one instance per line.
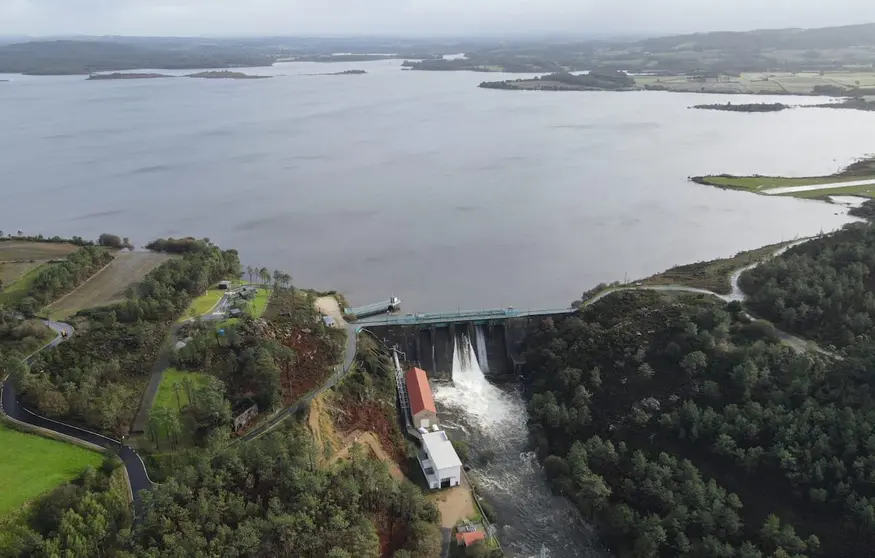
x=417, y=17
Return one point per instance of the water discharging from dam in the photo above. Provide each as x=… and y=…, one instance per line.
x=532, y=522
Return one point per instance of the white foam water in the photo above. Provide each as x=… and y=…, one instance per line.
x=482, y=358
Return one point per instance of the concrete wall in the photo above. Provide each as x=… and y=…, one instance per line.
x=431, y=347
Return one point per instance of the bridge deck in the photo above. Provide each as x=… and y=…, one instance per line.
x=462, y=316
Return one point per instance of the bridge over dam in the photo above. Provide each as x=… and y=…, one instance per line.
x=429, y=339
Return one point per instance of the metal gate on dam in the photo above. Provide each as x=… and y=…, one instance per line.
x=429, y=340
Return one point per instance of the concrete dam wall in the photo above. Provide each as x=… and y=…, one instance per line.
x=497, y=342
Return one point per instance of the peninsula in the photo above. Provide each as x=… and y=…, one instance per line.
x=225, y=74
x=749, y=107
x=597, y=80
x=855, y=179
x=125, y=75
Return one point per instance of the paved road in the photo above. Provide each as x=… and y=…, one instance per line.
x=736, y=294
x=814, y=187
x=14, y=408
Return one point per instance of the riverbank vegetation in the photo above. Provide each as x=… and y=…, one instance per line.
x=681, y=428
x=712, y=275
x=863, y=169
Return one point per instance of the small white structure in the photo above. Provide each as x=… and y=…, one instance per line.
x=439, y=462
x=225, y=285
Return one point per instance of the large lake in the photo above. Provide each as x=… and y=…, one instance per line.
x=413, y=183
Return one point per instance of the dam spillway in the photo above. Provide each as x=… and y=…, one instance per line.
x=430, y=342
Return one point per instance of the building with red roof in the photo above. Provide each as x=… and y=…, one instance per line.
x=422, y=408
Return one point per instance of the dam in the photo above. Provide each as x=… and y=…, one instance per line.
x=428, y=340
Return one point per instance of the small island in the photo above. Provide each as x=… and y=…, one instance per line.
x=600, y=80
x=126, y=75
x=749, y=107
x=343, y=73
x=225, y=74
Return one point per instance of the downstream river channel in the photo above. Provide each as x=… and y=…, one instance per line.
x=413, y=183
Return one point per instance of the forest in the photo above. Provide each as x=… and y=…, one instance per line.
x=95, y=379
x=822, y=289
x=264, y=498
x=679, y=426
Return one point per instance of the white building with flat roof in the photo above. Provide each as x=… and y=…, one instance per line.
x=441, y=465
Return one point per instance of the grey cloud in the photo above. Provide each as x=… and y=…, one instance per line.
x=417, y=17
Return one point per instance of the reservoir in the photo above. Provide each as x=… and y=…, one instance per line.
x=422, y=185
x=413, y=183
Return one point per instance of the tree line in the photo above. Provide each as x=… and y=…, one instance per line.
x=55, y=280
x=95, y=378
x=682, y=428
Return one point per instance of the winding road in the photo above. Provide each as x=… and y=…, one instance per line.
x=136, y=468
x=12, y=407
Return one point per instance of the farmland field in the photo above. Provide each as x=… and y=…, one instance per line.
x=110, y=284
x=22, y=250
x=11, y=272
x=32, y=465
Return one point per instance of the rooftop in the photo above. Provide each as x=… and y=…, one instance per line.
x=441, y=450
x=469, y=538
x=419, y=392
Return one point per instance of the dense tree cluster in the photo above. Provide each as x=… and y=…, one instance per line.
x=177, y=245
x=79, y=519
x=21, y=336
x=683, y=429
x=821, y=289
x=114, y=241
x=269, y=498
x=95, y=378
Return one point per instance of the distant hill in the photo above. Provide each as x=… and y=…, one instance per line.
x=64, y=57
x=783, y=39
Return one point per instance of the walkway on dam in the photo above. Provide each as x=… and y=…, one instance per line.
x=443, y=318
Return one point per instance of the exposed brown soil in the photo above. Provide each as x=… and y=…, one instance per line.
x=310, y=367
x=373, y=416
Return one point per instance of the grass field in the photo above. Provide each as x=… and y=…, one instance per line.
x=166, y=396
x=21, y=250
x=32, y=465
x=759, y=183
x=13, y=271
x=864, y=191
x=259, y=304
x=16, y=291
x=202, y=304
x=108, y=285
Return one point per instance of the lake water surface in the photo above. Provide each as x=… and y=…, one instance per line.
x=413, y=183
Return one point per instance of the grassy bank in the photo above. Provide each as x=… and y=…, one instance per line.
x=858, y=171
x=712, y=275
x=32, y=465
